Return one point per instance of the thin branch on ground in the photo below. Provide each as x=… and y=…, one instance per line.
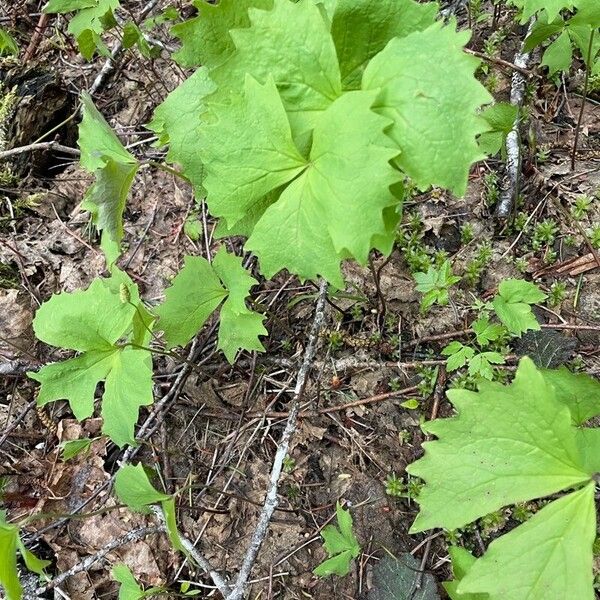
x=501, y=62
x=131, y=536
x=40, y=146
x=271, y=500
x=510, y=188
x=219, y=581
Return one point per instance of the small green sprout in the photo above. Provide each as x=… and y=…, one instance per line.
x=467, y=233
x=434, y=285
x=581, y=207
x=557, y=293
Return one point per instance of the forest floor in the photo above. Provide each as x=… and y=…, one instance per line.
x=378, y=373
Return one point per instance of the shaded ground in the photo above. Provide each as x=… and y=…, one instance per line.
x=220, y=433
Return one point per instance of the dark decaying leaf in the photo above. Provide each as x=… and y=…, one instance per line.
x=547, y=349
x=399, y=579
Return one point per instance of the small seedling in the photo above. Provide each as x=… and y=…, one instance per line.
x=434, y=284
x=581, y=207
x=557, y=293
x=341, y=545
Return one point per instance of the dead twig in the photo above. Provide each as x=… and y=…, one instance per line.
x=501, y=62
x=510, y=189
x=40, y=146
x=271, y=500
x=86, y=563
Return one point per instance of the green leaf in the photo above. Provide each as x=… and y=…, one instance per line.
x=462, y=561
x=9, y=535
x=169, y=511
x=500, y=118
x=90, y=22
x=362, y=28
x=93, y=322
x=72, y=448
x=341, y=545
x=290, y=43
x=244, y=163
x=512, y=305
x=485, y=331
x=129, y=588
x=134, y=489
x=541, y=31
x=458, y=355
x=114, y=168
x=481, y=364
x=552, y=8
x=8, y=44
x=194, y=294
x=206, y=39
x=32, y=562
x=336, y=207
x=435, y=118
x=239, y=327
x=588, y=441
x=65, y=6
x=507, y=444
x=558, y=54
x=549, y=556
x=578, y=391
x=10, y=542
x=176, y=121
x=198, y=290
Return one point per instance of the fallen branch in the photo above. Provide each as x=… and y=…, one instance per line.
x=271, y=500
x=40, y=146
x=202, y=562
x=86, y=563
x=510, y=187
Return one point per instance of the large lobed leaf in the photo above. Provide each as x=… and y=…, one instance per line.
x=507, y=444
x=549, y=556
x=94, y=322
x=290, y=43
x=428, y=90
x=205, y=39
x=362, y=28
x=176, y=121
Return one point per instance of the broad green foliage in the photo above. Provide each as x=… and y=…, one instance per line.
x=99, y=325
x=521, y=445
x=549, y=556
x=316, y=220
x=462, y=561
x=428, y=90
x=292, y=159
x=8, y=44
x=551, y=8
x=205, y=39
x=198, y=290
x=93, y=18
x=513, y=303
x=176, y=122
x=290, y=43
x=341, y=545
x=10, y=542
x=73, y=448
x=578, y=391
x=114, y=168
x=362, y=28
x=134, y=489
x=512, y=444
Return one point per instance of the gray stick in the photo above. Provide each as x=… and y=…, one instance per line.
x=290, y=428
